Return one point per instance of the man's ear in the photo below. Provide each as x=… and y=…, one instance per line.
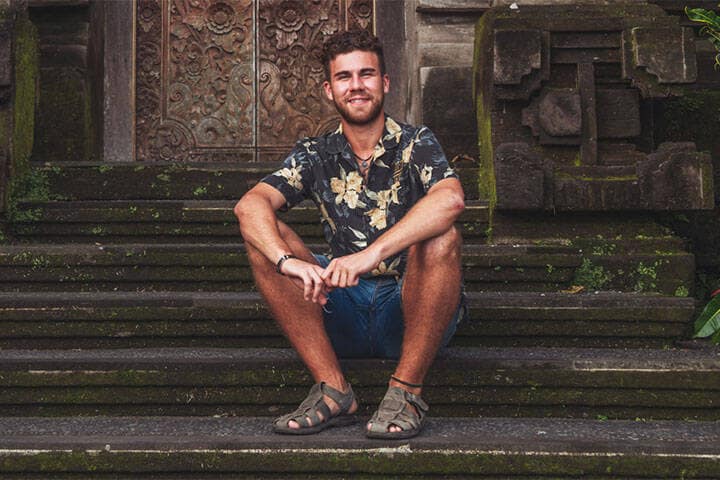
x=386, y=83
x=328, y=90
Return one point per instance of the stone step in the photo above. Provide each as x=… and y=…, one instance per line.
x=241, y=319
x=591, y=383
x=492, y=448
x=158, y=181
x=172, y=221
x=213, y=267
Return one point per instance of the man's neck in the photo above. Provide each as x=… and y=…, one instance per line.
x=363, y=138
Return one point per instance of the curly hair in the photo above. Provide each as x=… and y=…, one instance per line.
x=346, y=42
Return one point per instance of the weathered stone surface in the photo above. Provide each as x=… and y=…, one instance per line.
x=519, y=177
x=580, y=65
x=450, y=117
x=677, y=177
x=596, y=188
x=560, y=114
x=519, y=59
x=5, y=55
x=618, y=113
x=463, y=447
x=662, y=52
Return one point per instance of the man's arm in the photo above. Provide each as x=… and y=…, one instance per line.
x=431, y=216
x=256, y=214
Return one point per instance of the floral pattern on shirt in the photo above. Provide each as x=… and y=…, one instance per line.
x=407, y=162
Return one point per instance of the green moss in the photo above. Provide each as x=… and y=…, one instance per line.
x=64, y=128
x=682, y=291
x=22, y=125
x=693, y=117
x=486, y=170
x=591, y=276
x=646, y=276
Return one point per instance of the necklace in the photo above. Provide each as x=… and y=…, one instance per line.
x=364, y=162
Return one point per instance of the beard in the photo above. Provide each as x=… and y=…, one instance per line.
x=359, y=118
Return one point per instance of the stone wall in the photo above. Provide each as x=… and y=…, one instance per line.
x=64, y=126
x=439, y=44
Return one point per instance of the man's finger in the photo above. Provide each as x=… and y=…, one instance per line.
x=317, y=291
x=307, y=291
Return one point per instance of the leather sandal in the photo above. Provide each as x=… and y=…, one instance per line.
x=394, y=410
x=307, y=415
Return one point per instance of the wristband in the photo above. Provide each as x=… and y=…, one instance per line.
x=279, y=264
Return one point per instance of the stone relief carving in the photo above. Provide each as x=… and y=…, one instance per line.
x=219, y=80
x=571, y=94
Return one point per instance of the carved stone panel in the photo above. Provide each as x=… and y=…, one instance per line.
x=233, y=80
x=575, y=88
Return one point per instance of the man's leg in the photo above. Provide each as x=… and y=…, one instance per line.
x=430, y=296
x=300, y=320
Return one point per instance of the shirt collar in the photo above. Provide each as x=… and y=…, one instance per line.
x=337, y=143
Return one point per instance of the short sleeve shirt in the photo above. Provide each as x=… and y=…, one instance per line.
x=354, y=213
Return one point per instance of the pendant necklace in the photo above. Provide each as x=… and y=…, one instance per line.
x=364, y=162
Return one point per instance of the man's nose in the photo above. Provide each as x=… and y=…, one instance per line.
x=356, y=83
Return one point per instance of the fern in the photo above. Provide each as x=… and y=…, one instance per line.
x=711, y=26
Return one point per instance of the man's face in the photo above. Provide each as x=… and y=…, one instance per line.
x=356, y=86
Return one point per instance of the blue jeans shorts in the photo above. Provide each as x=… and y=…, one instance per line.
x=367, y=320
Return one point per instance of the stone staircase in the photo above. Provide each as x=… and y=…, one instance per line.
x=133, y=345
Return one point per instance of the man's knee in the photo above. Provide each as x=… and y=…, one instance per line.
x=447, y=246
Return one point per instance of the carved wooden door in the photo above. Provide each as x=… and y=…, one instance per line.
x=233, y=80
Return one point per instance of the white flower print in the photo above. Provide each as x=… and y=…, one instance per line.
x=426, y=175
x=292, y=175
x=347, y=189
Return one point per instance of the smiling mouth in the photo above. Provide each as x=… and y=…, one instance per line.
x=358, y=100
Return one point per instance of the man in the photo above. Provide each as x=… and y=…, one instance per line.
x=388, y=201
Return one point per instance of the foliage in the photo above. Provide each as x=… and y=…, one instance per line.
x=708, y=323
x=590, y=276
x=711, y=26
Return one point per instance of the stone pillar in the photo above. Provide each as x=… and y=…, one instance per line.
x=5, y=94
x=18, y=84
x=111, y=57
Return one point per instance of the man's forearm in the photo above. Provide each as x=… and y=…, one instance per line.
x=259, y=226
x=433, y=215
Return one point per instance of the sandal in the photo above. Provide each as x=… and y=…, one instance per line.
x=307, y=414
x=394, y=410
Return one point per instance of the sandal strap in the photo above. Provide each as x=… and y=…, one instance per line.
x=394, y=410
x=308, y=413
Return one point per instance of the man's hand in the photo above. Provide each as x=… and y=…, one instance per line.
x=345, y=271
x=307, y=277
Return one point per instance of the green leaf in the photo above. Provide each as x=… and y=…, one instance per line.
x=703, y=16
x=708, y=322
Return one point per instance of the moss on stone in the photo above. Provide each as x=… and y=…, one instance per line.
x=24, y=97
x=63, y=124
x=591, y=276
x=694, y=117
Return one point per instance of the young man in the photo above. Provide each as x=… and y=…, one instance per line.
x=388, y=201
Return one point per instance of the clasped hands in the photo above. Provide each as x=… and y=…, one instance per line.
x=317, y=282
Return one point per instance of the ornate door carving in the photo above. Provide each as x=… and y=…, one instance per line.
x=233, y=80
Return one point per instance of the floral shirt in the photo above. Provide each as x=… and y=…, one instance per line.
x=407, y=162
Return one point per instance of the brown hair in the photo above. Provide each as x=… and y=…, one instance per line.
x=346, y=42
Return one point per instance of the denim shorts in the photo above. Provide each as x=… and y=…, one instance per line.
x=367, y=320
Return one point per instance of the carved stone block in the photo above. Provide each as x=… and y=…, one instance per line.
x=517, y=54
x=661, y=51
x=519, y=177
x=677, y=177
x=575, y=87
x=618, y=113
x=560, y=113
x=596, y=189
x=519, y=60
